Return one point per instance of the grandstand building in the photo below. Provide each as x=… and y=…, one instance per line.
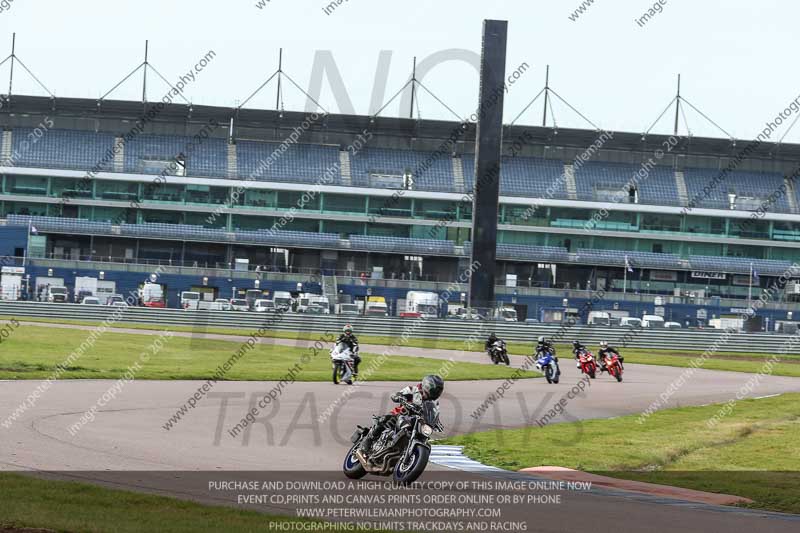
x=230, y=199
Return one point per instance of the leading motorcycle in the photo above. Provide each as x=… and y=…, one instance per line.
x=499, y=353
x=342, y=363
x=547, y=363
x=402, y=450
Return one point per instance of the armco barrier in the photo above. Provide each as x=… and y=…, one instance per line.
x=395, y=327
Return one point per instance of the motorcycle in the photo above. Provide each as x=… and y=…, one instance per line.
x=498, y=352
x=402, y=450
x=547, y=363
x=587, y=363
x=614, y=366
x=342, y=363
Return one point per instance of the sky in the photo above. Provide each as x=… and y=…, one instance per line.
x=734, y=56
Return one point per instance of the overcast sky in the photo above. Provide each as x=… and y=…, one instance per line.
x=735, y=55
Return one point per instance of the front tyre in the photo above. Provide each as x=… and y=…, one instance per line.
x=406, y=472
x=336, y=368
x=352, y=466
x=617, y=374
x=549, y=373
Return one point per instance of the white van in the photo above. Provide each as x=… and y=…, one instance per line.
x=190, y=300
x=653, y=322
x=630, y=322
x=599, y=318
x=264, y=306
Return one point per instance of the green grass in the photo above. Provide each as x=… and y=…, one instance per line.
x=752, y=452
x=722, y=360
x=32, y=352
x=69, y=506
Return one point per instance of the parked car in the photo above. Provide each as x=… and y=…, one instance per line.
x=317, y=309
x=221, y=304
x=90, y=300
x=115, y=299
x=264, y=306
x=239, y=304
x=672, y=325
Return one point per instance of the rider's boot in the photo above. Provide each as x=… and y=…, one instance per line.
x=375, y=430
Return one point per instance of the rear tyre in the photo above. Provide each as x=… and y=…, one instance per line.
x=407, y=472
x=352, y=466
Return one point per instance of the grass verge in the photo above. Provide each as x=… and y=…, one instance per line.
x=32, y=352
x=750, y=362
x=751, y=453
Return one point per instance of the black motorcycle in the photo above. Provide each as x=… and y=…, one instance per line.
x=499, y=353
x=402, y=450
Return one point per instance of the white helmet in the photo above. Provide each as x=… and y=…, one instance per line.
x=604, y=344
x=541, y=338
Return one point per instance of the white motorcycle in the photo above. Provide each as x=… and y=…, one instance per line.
x=342, y=363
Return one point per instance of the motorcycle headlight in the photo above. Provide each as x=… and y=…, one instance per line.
x=426, y=430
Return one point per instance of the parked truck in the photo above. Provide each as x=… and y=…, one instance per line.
x=84, y=286
x=376, y=306
x=11, y=287
x=283, y=301
x=423, y=304
x=152, y=295
x=57, y=294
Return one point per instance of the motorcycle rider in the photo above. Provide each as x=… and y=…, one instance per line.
x=429, y=389
x=607, y=351
x=351, y=342
x=544, y=345
x=577, y=349
x=490, y=342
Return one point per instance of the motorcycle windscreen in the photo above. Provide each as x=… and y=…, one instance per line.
x=430, y=413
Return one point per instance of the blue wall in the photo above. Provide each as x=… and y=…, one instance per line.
x=11, y=238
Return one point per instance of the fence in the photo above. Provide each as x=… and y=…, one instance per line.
x=452, y=329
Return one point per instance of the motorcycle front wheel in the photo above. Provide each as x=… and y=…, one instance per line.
x=352, y=466
x=406, y=472
x=618, y=374
x=337, y=367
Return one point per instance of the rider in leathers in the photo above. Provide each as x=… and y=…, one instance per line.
x=430, y=388
x=577, y=349
x=607, y=351
x=351, y=341
x=545, y=345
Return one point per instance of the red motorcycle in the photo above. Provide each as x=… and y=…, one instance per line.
x=614, y=366
x=587, y=363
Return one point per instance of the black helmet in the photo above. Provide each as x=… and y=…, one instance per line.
x=576, y=344
x=492, y=335
x=432, y=387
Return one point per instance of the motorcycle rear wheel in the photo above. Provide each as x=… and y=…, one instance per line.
x=408, y=472
x=352, y=466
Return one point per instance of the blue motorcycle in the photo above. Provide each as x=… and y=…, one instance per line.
x=547, y=363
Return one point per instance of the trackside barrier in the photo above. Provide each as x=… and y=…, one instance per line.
x=451, y=329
